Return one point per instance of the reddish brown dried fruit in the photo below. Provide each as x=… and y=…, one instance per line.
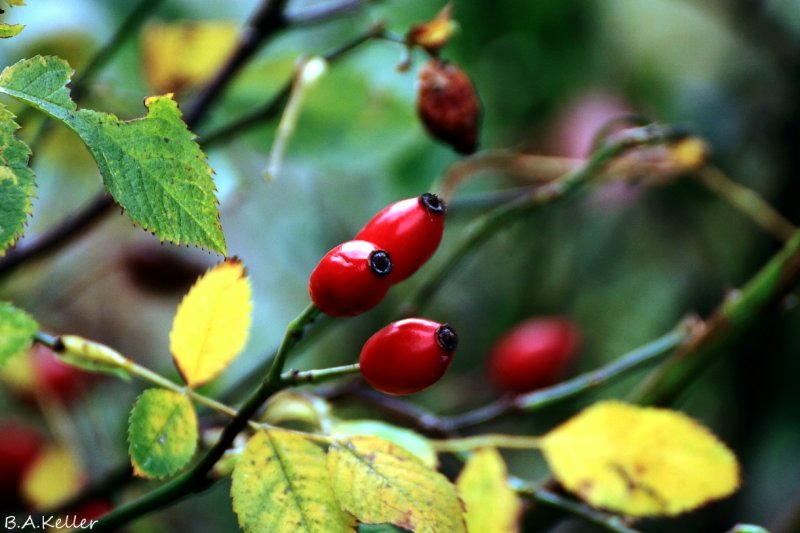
x=448, y=105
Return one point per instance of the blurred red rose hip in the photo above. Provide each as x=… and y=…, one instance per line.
x=533, y=354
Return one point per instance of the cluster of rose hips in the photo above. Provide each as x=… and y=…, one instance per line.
x=408, y=355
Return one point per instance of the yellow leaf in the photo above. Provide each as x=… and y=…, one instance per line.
x=212, y=323
x=54, y=478
x=492, y=506
x=185, y=54
x=640, y=461
x=434, y=34
x=379, y=482
x=280, y=483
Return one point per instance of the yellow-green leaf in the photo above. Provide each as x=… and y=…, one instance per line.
x=379, y=482
x=212, y=323
x=152, y=166
x=11, y=30
x=410, y=440
x=17, y=329
x=640, y=461
x=162, y=432
x=292, y=406
x=483, y=485
x=177, y=55
x=52, y=479
x=280, y=483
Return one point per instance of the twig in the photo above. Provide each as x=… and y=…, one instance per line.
x=306, y=377
x=486, y=226
x=488, y=440
x=266, y=22
x=731, y=319
x=533, y=401
x=197, y=479
x=748, y=202
x=608, y=521
x=274, y=106
x=254, y=36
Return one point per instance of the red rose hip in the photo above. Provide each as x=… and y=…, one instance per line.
x=408, y=356
x=410, y=230
x=350, y=279
x=533, y=354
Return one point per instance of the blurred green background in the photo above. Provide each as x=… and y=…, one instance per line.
x=626, y=264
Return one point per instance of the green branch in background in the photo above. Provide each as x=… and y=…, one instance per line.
x=633, y=360
x=714, y=337
x=609, y=522
x=488, y=225
x=747, y=202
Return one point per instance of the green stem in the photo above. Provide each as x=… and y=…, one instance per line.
x=274, y=106
x=633, y=360
x=486, y=226
x=303, y=377
x=197, y=479
x=607, y=521
x=748, y=202
x=732, y=318
x=489, y=440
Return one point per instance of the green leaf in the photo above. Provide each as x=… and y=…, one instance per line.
x=162, y=432
x=16, y=182
x=281, y=484
x=152, y=166
x=17, y=329
x=379, y=482
x=410, y=440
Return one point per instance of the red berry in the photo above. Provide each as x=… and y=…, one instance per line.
x=410, y=230
x=20, y=445
x=350, y=279
x=408, y=355
x=533, y=354
x=448, y=105
x=55, y=379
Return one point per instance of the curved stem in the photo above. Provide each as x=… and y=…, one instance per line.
x=274, y=106
x=748, y=202
x=489, y=440
x=197, y=479
x=607, y=521
x=483, y=228
x=303, y=377
x=732, y=318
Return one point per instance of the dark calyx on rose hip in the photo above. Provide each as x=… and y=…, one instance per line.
x=351, y=278
x=409, y=230
x=408, y=355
